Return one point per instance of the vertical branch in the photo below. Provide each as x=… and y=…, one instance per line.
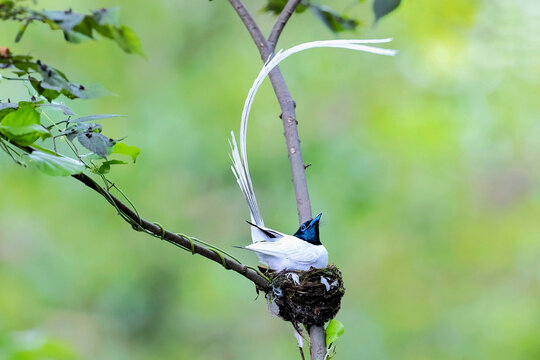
x=288, y=116
x=282, y=20
x=317, y=346
x=287, y=104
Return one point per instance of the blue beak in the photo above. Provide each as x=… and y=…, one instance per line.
x=316, y=220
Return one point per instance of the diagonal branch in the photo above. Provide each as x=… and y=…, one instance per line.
x=281, y=21
x=155, y=229
x=180, y=240
x=288, y=113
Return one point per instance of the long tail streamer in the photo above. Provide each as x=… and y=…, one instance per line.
x=239, y=166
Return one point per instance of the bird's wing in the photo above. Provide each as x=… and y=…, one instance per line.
x=288, y=247
x=266, y=233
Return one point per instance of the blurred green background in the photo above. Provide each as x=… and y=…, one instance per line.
x=425, y=167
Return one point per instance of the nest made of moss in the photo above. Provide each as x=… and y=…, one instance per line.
x=307, y=297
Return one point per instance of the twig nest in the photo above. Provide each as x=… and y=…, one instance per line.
x=306, y=297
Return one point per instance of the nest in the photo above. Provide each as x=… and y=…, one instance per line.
x=307, y=297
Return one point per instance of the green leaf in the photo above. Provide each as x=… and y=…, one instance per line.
x=123, y=149
x=22, y=126
x=66, y=20
x=95, y=142
x=48, y=94
x=56, y=165
x=6, y=110
x=84, y=28
x=65, y=109
x=55, y=83
x=127, y=40
x=20, y=73
x=276, y=6
x=382, y=8
x=93, y=118
x=91, y=91
x=108, y=16
x=333, y=20
x=77, y=35
x=21, y=31
x=78, y=128
x=52, y=79
x=76, y=27
x=16, y=132
x=24, y=64
x=106, y=166
x=93, y=156
x=333, y=331
x=104, y=30
x=8, y=106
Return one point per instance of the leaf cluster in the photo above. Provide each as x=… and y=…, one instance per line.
x=22, y=125
x=75, y=26
x=46, y=80
x=333, y=20
x=25, y=127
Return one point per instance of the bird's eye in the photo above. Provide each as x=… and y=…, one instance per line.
x=303, y=228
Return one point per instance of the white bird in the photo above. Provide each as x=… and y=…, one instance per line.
x=279, y=251
x=300, y=251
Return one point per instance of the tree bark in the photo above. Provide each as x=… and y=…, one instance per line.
x=317, y=346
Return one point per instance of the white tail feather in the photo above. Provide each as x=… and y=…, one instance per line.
x=241, y=172
x=239, y=153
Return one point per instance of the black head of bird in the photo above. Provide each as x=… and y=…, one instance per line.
x=309, y=231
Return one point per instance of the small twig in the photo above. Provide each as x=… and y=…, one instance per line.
x=10, y=78
x=302, y=353
x=281, y=21
x=8, y=151
x=113, y=185
x=56, y=124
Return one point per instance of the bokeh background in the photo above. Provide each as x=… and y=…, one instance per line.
x=425, y=166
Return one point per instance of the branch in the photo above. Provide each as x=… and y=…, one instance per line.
x=288, y=116
x=317, y=346
x=183, y=241
x=156, y=230
x=282, y=20
x=288, y=113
